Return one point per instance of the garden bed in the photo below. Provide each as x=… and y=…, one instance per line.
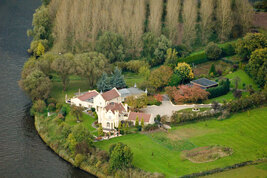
x=206, y=154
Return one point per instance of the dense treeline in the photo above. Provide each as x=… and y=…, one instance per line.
x=77, y=25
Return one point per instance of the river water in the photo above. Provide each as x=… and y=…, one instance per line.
x=22, y=152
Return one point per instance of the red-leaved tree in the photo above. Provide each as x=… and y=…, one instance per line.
x=158, y=97
x=186, y=94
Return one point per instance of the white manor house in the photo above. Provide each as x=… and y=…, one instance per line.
x=110, y=108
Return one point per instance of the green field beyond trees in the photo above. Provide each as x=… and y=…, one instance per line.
x=245, y=133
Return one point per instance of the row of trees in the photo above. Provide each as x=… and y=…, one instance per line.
x=78, y=24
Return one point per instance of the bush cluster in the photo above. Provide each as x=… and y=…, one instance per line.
x=182, y=117
x=246, y=103
x=222, y=89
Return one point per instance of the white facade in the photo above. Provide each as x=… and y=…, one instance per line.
x=78, y=102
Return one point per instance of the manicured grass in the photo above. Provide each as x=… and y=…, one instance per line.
x=245, y=79
x=245, y=133
x=229, y=96
x=73, y=87
x=133, y=78
x=248, y=171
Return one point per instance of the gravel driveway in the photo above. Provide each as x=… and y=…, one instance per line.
x=167, y=108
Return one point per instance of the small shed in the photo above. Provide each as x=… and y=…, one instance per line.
x=204, y=83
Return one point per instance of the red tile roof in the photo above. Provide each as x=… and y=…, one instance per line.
x=133, y=115
x=111, y=94
x=115, y=107
x=88, y=95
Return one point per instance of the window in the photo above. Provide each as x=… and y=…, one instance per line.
x=108, y=124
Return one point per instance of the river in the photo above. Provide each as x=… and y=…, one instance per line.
x=22, y=152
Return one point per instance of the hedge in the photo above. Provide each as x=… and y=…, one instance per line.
x=217, y=170
x=201, y=57
x=196, y=58
x=222, y=89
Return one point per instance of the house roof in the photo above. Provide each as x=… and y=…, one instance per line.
x=130, y=91
x=111, y=94
x=204, y=82
x=133, y=115
x=115, y=107
x=88, y=95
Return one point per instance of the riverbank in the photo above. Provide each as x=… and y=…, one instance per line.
x=66, y=157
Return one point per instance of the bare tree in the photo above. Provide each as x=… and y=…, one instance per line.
x=206, y=24
x=156, y=9
x=172, y=20
x=190, y=20
x=245, y=14
x=224, y=19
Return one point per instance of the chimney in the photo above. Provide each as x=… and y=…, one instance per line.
x=79, y=92
x=135, y=85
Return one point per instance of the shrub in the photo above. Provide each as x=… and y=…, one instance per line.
x=38, y=106
x=121, y=157
x=222, y=89
x=246, y=103
x=79, y=158
x=151, y=127
x=135, y=65
x=213, y=51
x=179, y=117
x=51, y=100
x=228, y=50
x=51, y=107
x=237, y=93
x=158, y=97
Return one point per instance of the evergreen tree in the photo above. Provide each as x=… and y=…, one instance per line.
x=142, y=123
x=103, y=83
x=119, y=126
x=100, y=130
x=136, y=122
x=126, y=128
x=117, y=79
x=212, y=70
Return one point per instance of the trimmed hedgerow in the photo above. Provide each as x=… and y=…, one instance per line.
x=196, y=58
x=222, y=89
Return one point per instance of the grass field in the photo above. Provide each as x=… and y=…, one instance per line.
x=133, y=78
x=259, y=171
x=229, y=96
x=245, y=79
x=245, y=133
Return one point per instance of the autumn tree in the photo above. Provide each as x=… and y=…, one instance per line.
x=91, y=66
x=64, y=67
x=159, y=78
x=37, y=85
x=184, y=72
x=189, y=21
x=186, y=94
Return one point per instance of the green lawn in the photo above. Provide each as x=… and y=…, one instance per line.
x=244, y=132
x=253, y=171
x=229, y=96
x=73, y=87
x=245, y=79
x=133, y=78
